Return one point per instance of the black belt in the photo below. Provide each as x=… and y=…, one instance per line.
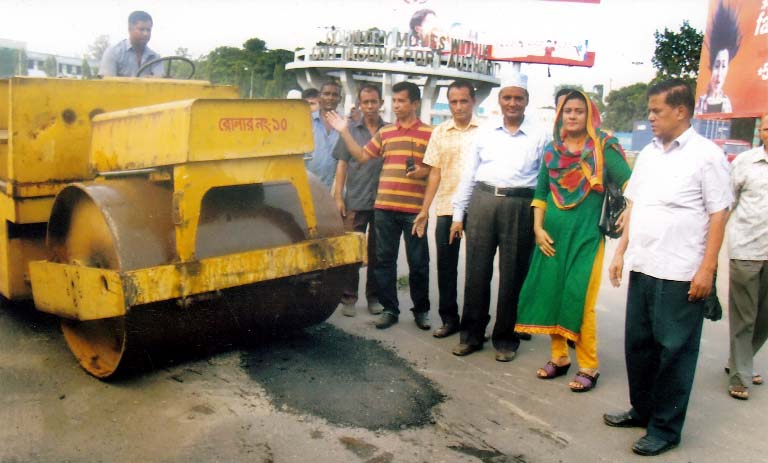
x=514, y=191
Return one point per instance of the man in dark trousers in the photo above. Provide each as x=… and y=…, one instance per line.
x=355, y=192
x=398, y=200
x=678, y=196
x=496, y=189
x=447, y=147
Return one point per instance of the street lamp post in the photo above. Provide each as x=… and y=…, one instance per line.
x=250, y=86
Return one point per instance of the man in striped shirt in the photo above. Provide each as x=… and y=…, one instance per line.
x=398, y=200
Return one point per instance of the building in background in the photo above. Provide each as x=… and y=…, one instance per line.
x=15, y=59
x=388, y=57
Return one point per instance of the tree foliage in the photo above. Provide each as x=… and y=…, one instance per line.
x=13, y=62
x=87, y=72
x=51, y=67
x=677, y=53
x=625, y=106
x=254, y=67
x=98, y=47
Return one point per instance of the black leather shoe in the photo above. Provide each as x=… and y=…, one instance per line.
x=505, y=355
x=386, y=320
x=421, y=319
x=524, y=336
x=446, y=330
x=649, y=446
x=623, y=420
x=465, y=349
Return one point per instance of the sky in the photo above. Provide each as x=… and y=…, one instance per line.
x=619, y=31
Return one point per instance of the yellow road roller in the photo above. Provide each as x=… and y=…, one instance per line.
x=154, y=212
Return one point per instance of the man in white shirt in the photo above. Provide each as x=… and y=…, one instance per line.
x=679, y=196
x=748, y=266
x=495, y=192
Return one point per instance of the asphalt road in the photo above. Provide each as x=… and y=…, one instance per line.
x=345, y=391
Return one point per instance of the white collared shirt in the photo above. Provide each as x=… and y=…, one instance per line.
x=501, y=158
x=673, y=193
x=748, y=225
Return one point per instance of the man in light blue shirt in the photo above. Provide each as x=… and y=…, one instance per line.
x=321, y=162
x=126, y=57
x=495, y=193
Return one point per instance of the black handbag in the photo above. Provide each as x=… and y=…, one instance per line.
x=712, y=307
x=613, y=205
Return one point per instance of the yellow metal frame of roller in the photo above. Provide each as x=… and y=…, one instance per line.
x=207, y=144
x=45, y=136
x=49, y=124
x=87, y=293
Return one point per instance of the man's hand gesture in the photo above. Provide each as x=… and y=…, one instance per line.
x=338, y=123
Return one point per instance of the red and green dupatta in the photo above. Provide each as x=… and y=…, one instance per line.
x=573, y=175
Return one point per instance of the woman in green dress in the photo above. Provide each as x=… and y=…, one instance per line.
x=559, y=294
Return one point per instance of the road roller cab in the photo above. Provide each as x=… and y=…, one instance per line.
x=144, y=212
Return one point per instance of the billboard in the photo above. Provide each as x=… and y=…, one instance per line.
x=733, y=69
x=430, y=30
x=550, y=51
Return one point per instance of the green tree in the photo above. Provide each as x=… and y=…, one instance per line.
x=180, y=69
x=7, y=61
x=625, y=106
x=13, y=61
x=23, y=69
x=677, y=53
x=98, y=47
x=51, y=66
x=255, y=46
x=87, y=73
x=253, y=63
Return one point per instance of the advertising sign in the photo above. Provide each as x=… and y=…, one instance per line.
x=733, y=70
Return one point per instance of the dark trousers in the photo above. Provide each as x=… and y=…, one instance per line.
x=447, y=270
x=390, y=225
x=494, y=222
x=662, y=335
x=362, y=221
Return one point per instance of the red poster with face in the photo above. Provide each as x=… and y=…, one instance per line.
x=733, y=70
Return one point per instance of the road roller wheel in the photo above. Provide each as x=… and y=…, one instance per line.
x=100, y=346
x=127, y=224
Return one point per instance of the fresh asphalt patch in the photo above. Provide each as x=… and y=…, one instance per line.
x=345, y=379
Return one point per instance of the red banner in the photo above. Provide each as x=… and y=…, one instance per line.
x=733, y=70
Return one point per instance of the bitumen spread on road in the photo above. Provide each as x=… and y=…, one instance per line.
x=342, y=378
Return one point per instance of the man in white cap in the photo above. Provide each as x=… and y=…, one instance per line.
x=495, y=193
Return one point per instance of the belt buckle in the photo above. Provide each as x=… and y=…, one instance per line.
x=496, y=192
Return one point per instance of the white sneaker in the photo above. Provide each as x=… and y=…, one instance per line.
x=348, y=310
x=375, y=308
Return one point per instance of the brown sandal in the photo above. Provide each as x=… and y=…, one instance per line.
x=739, y=392
x=587, y=381
x=552, y=370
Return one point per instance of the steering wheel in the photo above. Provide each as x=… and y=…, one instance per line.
x=169, y=60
